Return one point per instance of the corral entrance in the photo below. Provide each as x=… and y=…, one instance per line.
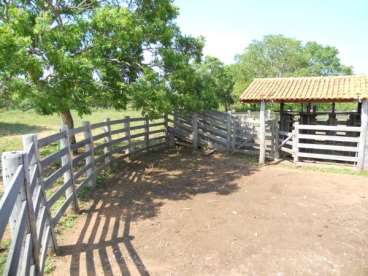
x=175, y=213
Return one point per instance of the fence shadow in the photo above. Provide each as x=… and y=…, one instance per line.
x=19, y=129
x=137, y=191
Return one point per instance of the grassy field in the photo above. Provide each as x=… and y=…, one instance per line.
x=15, y=123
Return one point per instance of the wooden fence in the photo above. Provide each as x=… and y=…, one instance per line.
x=231, y=132
x=44, y=180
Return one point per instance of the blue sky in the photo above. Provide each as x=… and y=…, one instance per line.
x=230, y=25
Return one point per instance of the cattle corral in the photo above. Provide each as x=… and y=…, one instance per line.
x=175, y=213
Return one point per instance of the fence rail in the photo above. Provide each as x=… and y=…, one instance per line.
x=44, y=179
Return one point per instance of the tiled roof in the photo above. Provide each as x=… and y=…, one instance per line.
x=307, y=89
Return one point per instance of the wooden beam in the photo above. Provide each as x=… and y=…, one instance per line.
x=262, y=133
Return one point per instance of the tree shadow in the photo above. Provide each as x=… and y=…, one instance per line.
x=18, y=129
x=137, y=191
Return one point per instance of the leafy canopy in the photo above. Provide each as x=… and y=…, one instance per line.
x=61, y=55
x=280, y=56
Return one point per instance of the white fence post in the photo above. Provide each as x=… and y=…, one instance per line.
x=36, y=169
x=295, y=142
x=107, y=148
x=362, y=147
x=195, y=131
x=146, y=133
x=66, y=160
x=262, y=133
x=10, y=162
x=90, y=158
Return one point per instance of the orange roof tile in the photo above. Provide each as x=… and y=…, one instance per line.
x=307, y=89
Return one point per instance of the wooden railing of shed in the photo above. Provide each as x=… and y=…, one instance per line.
x=41, y=185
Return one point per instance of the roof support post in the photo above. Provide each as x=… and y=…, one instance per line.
x=363, y=145
x=262, y=133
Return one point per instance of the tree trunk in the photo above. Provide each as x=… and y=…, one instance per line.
x=67, y=118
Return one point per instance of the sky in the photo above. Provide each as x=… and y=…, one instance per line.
x=230, y=25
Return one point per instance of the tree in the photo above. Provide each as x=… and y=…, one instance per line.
x=279, y=56
x=59, y=56
x=216, y=78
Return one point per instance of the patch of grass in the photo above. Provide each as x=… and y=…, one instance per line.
x=49, y=265
x=4, y=249
x=325, y=168
x=14, y=123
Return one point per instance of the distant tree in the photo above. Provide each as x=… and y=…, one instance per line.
x=59, y=56
x=280, y=56
x=217, y=79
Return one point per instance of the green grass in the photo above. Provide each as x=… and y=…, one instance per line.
x=325, y=168
x=15, y=123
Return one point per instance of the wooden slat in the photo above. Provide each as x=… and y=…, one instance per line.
x=11, y=266
x=328, y=138
x=8, y=199
x=61, y=191
x=101, y=146
x=33, y=177
x=118, y=121
x=77, y=130
x=156, y=124
x=327, y=156
x=136, y=119
x=98, y=125
x=53, y=157
x=82, y=171
x=62, y=210
x=50, y=139
x=37, y=198
x=44, y=246
x=84, y=182
x=55, y=175
x=99, y=136
x=80, y=144
x=81, y=157
x=117, y=131
x=25, y=262
x=119, y=140
x=157, y=131
x=288, y=150
x=41, y=220
x=136, y=127
x=120, y=148
x=137, y=135
x=331, y=128
x=328, y=147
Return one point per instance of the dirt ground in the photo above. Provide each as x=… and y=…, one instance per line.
x=176, y=213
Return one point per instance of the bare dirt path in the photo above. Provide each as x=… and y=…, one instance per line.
x=183, y=214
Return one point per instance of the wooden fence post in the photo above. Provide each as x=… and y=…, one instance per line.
x=229, y=146
x=36, y=169
x=363, y=147
x=195, y=131
x=295, y=142
x=10, y=162
x=276, y=139
x=66, y=160
x=166, y=125
x=262, y=133
x=108, y=147
x=127, y=132
x=146, y=133
x=90, y=158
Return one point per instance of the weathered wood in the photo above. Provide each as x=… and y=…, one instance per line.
x=328, y=147
x=50, y=139
x=48, y=160
x=8, y=200
x=90, y=159
x=363, y=151
x=262, y=130
x=41, y=197
x=48, y=181
x=56, y=196
x=108, y=139
x=195, y=131
x=328, y=138
x=146, y=133
x=128, y=134
x=228, y=132
x=330, y=128
x=328, y=156
x=66, y=160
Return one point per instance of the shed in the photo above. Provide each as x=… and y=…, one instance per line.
x=309, y=90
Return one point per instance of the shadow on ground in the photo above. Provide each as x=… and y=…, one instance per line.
x=19, y=129
x=137, y=191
